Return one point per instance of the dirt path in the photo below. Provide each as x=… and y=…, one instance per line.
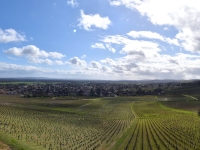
x=4, y=146
x=191, y=97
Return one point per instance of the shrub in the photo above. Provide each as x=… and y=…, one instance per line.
x=198, y=113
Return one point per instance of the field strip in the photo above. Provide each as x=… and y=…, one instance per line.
x=85, y=105
x=191, y=97
x=88, y=103
x=177, y=110
x=134, y=113
x=91, y=99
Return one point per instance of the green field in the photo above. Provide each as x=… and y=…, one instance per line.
x=145, y=123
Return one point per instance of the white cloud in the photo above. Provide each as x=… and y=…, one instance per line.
x=153, y=35
x=84, y=56
x=41, y=61
x=101, y=46
x=95, y=64
x=73, y=3
x=13, y=58
x=13, y=70
x=98, y=45
x=179, y=66
x=77, y=62
x=166, y=28
x=34, y=54
x=115, y=2
x=87, y=21
x=59, y=62
x=145, y=34
x=32, y=51
x=141, y=48
x=105, y=69
x=183, y=15
x=138, y=48
x=10, y=35
x=116, y=39
x=144, y=60
x=109, y=61
x=110, y=48
x=98, y=68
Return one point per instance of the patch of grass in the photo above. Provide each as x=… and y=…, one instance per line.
x=16, y=83
x=15, y=145
x=192, y=106
x=173, y=109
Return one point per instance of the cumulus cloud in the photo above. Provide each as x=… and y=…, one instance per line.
x=110, y=48
x=142, y=48
x=183, y=15
x=153, y=35
x=13, y=70
x=34, y=54
x=105, y=69
x=146, y=34
x=95, y=64
x=98, y=68
x=124, y=68
x=33, y=51
x=77, y=62
x=173, y=61
x=10, y=35
x=108, y=61
x=178, y=66
x=139, y=49
x=73, y=3
x=101, y=46
x=89, y=21
x=41, y=61
x=116, y=39
x=59, y=62
x=98, y=45
x=120, y=65
x=145, y=59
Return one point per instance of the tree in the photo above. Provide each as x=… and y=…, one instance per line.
x=92, y=92
x=80, y=93
x=98, y=91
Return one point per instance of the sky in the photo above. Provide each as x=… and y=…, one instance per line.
x=100, y=39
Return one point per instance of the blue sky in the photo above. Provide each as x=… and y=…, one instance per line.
x=101, y=39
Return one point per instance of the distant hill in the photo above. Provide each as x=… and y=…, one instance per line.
x=44, y=79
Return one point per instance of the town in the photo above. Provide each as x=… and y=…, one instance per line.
x=87, y=88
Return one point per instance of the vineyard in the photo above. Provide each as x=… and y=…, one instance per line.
x=76, y=124
x=157, y=127
x=103, y=123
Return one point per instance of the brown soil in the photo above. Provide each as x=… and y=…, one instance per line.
x=4, y=146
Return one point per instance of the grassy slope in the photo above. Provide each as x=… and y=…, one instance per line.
x=123, y=140
x=16, y=144
x=35, y=104
x=192, y=106
x=57, y=106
